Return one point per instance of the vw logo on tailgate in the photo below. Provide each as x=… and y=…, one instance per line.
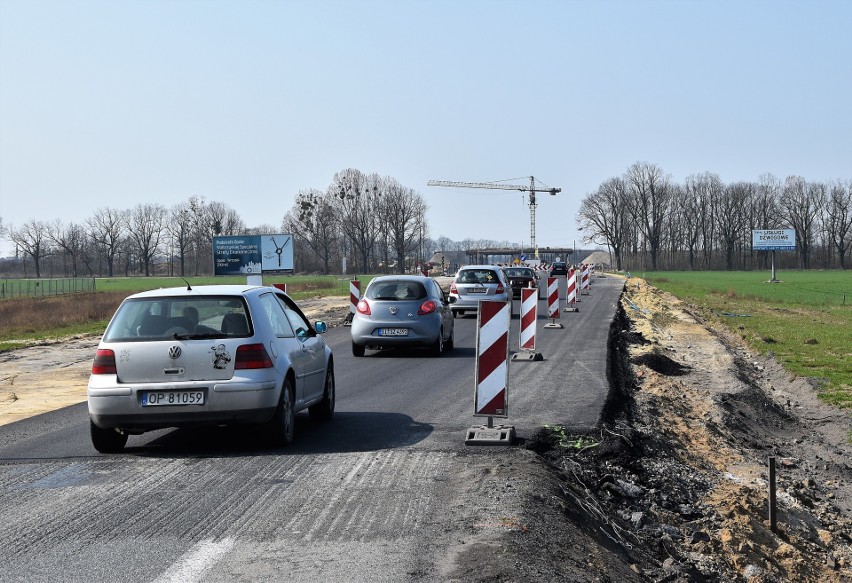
x=174, y=352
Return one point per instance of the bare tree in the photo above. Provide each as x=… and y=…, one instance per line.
x=313, y=223
x=32, y=239
x=179, y=230
x=356, y=199
x=107, y=229
x=801, y=203
x=604, y=215
x=652, y=194
x=146, y=229
x=71, y=239
x=405, y=213
x=732, y=218
x=839, y=219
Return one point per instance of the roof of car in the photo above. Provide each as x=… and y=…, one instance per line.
x=399, y=277
x=480, y=267
x=200, y=290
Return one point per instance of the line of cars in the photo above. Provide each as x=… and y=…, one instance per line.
x=241, y=354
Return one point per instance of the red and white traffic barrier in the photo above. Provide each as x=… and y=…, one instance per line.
x=491, y=392
x=354, y=298
x=584, y=280
x=529, y=315
x=571, y=296
x=552, y=303
x=492, y=355
x=529, y=322
x=281, y=286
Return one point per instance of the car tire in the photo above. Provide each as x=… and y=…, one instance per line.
x=324, y=410
x=438, y=346
x=107, y=440
x=283, y=424
x=451, y=341
x=357, y=350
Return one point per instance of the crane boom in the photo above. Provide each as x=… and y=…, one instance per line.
x=531, y=189
x=521, y=187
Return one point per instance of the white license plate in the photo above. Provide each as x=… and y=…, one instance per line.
x=157, y=398
x=476, y=290
x=393, y=331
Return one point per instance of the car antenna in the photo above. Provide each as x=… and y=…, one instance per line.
x=188, y=287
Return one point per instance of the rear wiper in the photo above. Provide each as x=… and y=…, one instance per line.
x=199, y=336
x=386, y=298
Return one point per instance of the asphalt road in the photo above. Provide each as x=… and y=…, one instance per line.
x=377, y=494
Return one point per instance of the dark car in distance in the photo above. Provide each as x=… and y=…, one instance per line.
x=559, y=268
x=520, y=277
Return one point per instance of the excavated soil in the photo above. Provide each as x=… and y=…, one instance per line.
x=677, y=479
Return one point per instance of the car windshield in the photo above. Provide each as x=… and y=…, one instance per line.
x=481, y=276
x=396, y=290
x=169, y=318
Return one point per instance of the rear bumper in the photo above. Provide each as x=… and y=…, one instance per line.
x=225, y=403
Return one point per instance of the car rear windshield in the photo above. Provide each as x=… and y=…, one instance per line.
x=146, y=319
x=396, y=290
x=477, y=276
x=519, y=272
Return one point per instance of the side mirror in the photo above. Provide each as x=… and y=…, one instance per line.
x=320, y=326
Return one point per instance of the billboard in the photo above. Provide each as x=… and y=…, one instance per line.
x=774, y=240
x=252, y=254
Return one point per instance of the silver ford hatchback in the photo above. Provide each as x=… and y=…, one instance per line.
x=403, y=311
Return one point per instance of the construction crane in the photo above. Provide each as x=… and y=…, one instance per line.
x=531, y=189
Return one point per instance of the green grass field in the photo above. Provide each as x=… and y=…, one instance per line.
x=805, y=321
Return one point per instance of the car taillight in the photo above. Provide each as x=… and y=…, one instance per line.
x=363, y=308
x=252, y=356
x=453, y=289
x=500, y=289
x=104, y=362
x=427, y=307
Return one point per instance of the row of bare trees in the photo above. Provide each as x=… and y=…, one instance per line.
x=141, y=240
x=371, y=218
x=373, y=221
x=649, y=221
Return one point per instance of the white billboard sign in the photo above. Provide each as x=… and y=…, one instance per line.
x=774, y=240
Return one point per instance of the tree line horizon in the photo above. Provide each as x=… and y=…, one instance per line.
x=372, y=220
x=648, y=221
x=645, y=220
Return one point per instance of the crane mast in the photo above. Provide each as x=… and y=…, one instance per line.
x=531, y=189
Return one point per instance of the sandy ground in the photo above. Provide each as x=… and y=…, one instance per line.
x=52, y=375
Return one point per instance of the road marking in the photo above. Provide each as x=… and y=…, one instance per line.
x=192, y=564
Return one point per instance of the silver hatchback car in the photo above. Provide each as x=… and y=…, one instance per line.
x=475, y=283
x=208, y=355
x=403, y=311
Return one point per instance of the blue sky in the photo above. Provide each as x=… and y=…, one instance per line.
x=113, y=103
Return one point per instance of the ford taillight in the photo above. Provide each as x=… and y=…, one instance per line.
x=427, y=307
x=363, y=308
x=104, y=362
x=252, y=356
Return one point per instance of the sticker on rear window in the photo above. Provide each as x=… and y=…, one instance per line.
x=221, y=358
